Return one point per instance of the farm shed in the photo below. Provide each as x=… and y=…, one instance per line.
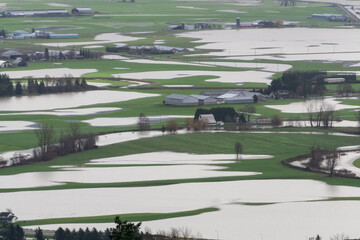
x=11, y=54
x=19, y=62
x=82, y=11
x=181, y=100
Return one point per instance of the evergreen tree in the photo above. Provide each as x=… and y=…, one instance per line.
x=6, y=86
x=59, y=234
x=18, y=89
x=19, y=233
x=39, y=234
x=46, y=54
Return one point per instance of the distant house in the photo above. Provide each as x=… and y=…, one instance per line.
x=204, y=100
x=11, y=54
x=181, y=100
x=7, y=217
x=82, y=11
x=19, y=62
x=209, y=118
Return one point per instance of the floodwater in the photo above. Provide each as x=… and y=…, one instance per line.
x=115, y=174
x=128, y=121
x=312, y=105
x=346, y=161
x=148, y=61
x=271, y=67
x=113, y=57
x=167, y=157
x=7, y=126
x=99, y=84
x=253, y=42
x=178, y=86
x=53, y=72
x=67, y=100
x=222, y=76
x=172, y=198
x=276, y=221
x=69, y=112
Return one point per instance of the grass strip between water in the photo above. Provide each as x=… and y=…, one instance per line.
x=133, y=217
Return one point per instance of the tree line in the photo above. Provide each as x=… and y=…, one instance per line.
x=300, y=83
x=48, y=85
x=70, y=141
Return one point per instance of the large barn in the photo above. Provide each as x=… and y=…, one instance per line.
x=181, y=100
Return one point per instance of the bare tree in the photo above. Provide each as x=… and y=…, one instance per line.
x=46, y=137
x=172, y=126
x=357, y=115
x=315, y=156
x=310, y=110
x=276, y=120
x=332, y=161
x=143, y=122
x=248, y=110
x=238, y=149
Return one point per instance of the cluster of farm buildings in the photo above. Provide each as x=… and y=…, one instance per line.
x=214, y=97
x=47, y=12
x=20, y=34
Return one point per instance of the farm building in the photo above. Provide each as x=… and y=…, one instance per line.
x=7, y=217
x=36, y=13
x=82, y=11
x=11, y=54
x=204, y=100
x=181, y=100
x=208, y=118
x=4, y=64
x=19, y=62
x=222, y=95
x=330, y=17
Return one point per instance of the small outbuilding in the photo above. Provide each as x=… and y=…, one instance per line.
x=19, y=62
x=181, y=100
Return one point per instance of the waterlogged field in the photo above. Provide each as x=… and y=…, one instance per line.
x=191, y=180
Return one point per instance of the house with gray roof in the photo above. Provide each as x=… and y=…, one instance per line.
x=11, y=54
x=181, y=100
